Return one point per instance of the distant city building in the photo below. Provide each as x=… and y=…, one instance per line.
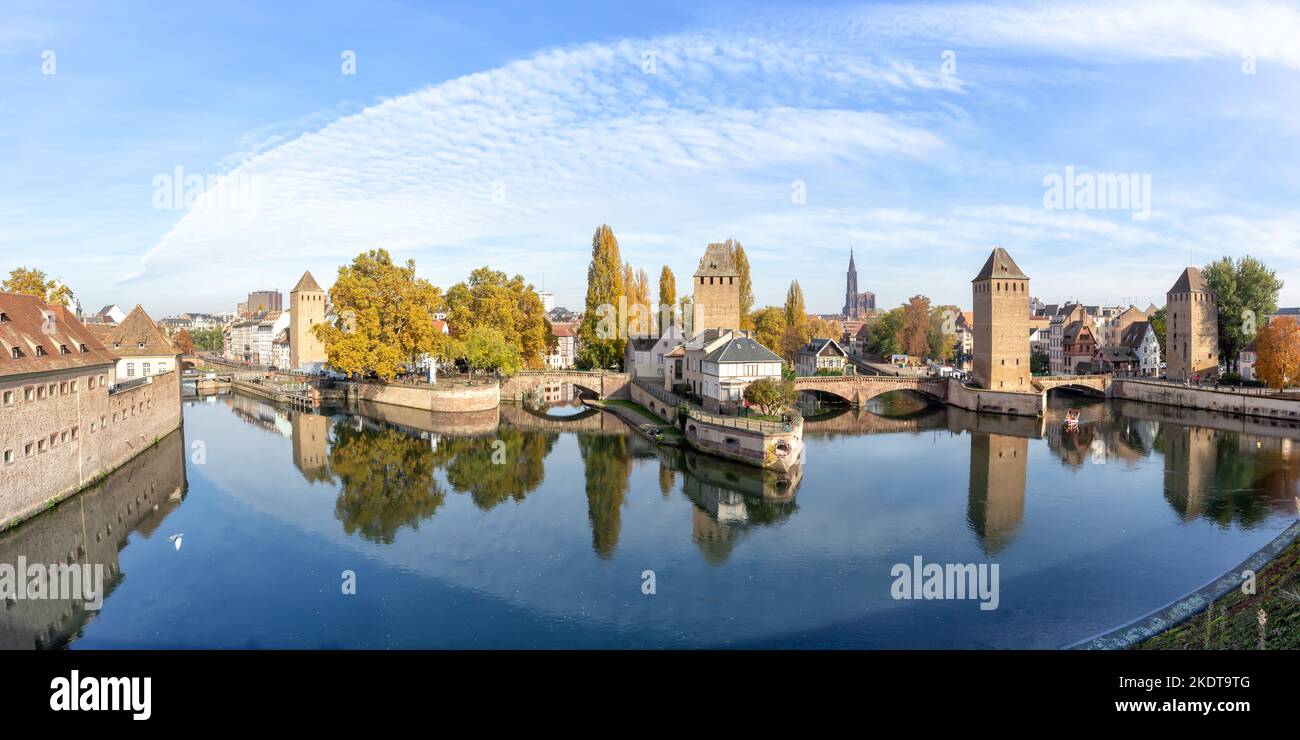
x=716, y=290
x=821, y=354
x=110, y=314
x=263, y=300
x=1063, y=317
x=856, y=305
x=1001, y=297
x=562, y=315
x=548, y=301
x=142, y=348
x=1115, y=321
x=565, y=354
x=1191, y=328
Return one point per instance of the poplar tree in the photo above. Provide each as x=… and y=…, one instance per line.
x=741, y=261
x=667, y=296
x=599, y=342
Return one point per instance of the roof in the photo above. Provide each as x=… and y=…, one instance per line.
x=742, y=349
x=678, y=351
x=1119, y=353
x=716, y=262
x=1287, y=312
x=642, y=344
x=24, y=327
x=1134, y=334
x=563, y=330
x=307, y=284
x=1074, y=329
x=818, y=346
x=137, y=329
x=1000, y=265
x=282, y=337
x=1191, y=281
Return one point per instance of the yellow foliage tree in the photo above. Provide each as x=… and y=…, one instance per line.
x=28, y=281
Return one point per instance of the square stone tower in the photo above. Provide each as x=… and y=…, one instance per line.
x=1191, y=328
x=306, y=309
x=1001, y=297
x=717, y=290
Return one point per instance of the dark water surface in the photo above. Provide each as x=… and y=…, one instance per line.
x=520, y=528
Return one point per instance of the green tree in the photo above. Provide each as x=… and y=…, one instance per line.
x=600, y=343
x=1040, y=363
x=494, y=468
x=388, y=317
x=207, y=340
x=486, y=349
x=942, y=334
x=883, y=334
x=667, y=295
x=797, y=330
x=1159, y=320
x=770, y=396
x=741, y=261
x=28, y=281
x=1247, y=291
x=509, y=305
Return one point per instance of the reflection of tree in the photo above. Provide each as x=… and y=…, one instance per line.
x=1222, y=476
x=608, y=464
x=470, y=467
x=387, y=481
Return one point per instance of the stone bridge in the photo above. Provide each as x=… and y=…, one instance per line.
x=857, y=390
x=1098, y=384
x=603, y=384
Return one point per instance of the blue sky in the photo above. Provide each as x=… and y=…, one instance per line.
x=504, y=133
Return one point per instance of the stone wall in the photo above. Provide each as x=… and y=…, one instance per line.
x=77, y=434
x=449, y=397
x=1283, y=411
x=995, y=402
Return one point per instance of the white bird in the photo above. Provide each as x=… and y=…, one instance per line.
x=177, y=539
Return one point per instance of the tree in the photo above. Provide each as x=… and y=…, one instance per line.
x=510, y=305
x=1040, y=363
x=770, y=396
x=915, y=330
x=741, y=261
x=1246, y=291
x=28, y=281
x=184, y=342
x=486, y=349
x=796, y=333
x=386, y=317
x=883, y=334
x=667, y=296
x=600, y=343
x=942, y=336
x=1277, y=352
x=1159, y=320
x=769, y=326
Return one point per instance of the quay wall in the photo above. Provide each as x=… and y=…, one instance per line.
x=452, y=398
x=1285, y=410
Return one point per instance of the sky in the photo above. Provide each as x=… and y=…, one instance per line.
x=180, y=155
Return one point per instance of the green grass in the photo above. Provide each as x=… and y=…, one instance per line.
x=1232, y=622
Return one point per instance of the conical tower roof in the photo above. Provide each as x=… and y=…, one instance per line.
x=1000, y=265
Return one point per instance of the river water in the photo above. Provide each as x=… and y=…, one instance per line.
x=519, y=528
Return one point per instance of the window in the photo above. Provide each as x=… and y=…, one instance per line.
x=74, y=432
x=103, y=422
x=83, y=348
x=91, y=383
x=29, y=393
x=102, y=380
x=140, y=345
x=63, y=438
x=9, y=456
x=130, y=369
x=63, y=349
x=63, y=388
x=40, y=393
x=9, y=398
x=73, y=386
x=27, y=449
x=92, y=427
x=40, y=445
x=17, y=353
x=145, y=370
x=40, y=350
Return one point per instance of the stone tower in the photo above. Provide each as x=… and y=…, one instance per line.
x=306, y=309
x=1191, y=328
x=1001, y=297
x=717, y=290
x=851, y=310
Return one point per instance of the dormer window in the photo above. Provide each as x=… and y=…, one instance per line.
x=63, y=349
x=17, y=353
x=83, y=349
x=40, y=350
x=3, y=317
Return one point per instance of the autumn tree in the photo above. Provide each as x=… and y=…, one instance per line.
x=915, y=331
x=667, y=297
x=1277, y=350
x=796, y=333
x=184, y=342
x=28, y=281
x=1246, y=291
x=386, y=317
x=942, y=334
x=487, y=349
x=509, y=305
x=769, y=326
x=600, y=344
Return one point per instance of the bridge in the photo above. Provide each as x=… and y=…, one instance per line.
x=603, y=384
x=857, y=390
x=1091, y=384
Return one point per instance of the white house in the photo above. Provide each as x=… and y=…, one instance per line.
x=1246, y=360
x=644, y=356
x=1140, y=336
x=721, y=363
x=565, y=354
x=819, y=355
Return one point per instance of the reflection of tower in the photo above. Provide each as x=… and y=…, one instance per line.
x=1190, y=467
x=310, y=445
x=1001, y=297
x=996, y=504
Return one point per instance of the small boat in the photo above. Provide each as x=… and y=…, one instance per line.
x=1072, y=420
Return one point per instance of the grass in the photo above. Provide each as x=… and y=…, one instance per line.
x=1233, y=622
x=666, y=429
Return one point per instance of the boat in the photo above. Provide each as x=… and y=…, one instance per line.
x=1072, y=420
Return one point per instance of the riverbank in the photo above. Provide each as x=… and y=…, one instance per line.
x=1233, y=622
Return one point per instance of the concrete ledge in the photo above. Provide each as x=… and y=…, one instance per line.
x=1171, y=615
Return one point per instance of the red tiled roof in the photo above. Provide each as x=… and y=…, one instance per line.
x=563, y=330
x=126, y=338
x=24, y=328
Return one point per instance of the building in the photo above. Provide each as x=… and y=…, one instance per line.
x=65, y=419
x=720, y=364
x=548, y=301
x=1191, y=328
x=307, y=308
x=141, y=347
x=281, y=354
x=1064, y=316
x=110, y=314
x=263, y=300
x=1115, y=321
x=644, y=356
x=565, y=354
x=1246, y=360
x=1140, y=337
x=1116, y=359
x=821, y=355
x=269, y=326
x=717, y=290
x=1001, y=298
x=856, y=305
x=1078, y=346
x=965, y=344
